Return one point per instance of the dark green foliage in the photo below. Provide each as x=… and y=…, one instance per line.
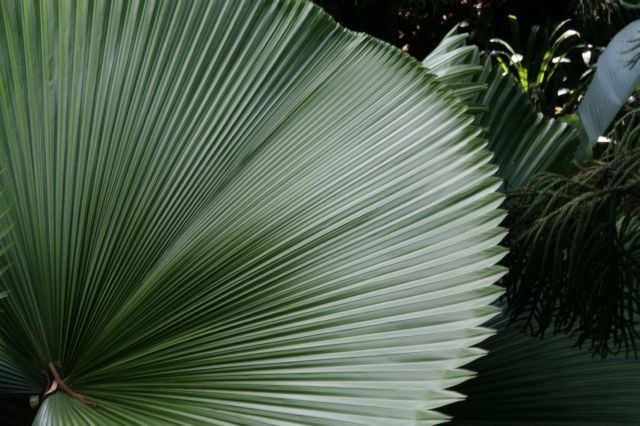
x=416, y=27
x=630, y=4
x=547, y=64
x=525, y=381
x=591, y=11
x=574, y=261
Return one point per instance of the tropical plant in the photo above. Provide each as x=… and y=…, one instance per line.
x=523, y=142
x=594, y=11
x=525, y=380
x=630, y=4
x=240, y=213
x=235, y=212
x=573, y=265
x=617, y=76
x=540, y=65
x=574, y=261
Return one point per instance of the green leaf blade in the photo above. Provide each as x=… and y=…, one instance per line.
x=238, y=213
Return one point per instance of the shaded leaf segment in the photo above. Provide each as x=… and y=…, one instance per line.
x=573, y=265
x=457, y=65
x=236, y=213
x=524, y=142
x=525, y=381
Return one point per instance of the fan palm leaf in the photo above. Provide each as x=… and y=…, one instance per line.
x=235, y=213
x=524, y=143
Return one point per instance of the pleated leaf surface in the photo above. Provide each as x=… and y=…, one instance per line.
x=456, y=64
x=525, y=381
x=524, y=142
x=236, y=212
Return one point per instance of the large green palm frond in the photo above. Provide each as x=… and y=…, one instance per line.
x=235, y=212
x=523, y=142
x=457, y=64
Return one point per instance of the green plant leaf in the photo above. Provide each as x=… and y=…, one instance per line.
x=571, y=264
x=525, y=381
x=617, y=75
x=236, y=213
x=456, y=64
x=12, y=380
x=524, y=142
